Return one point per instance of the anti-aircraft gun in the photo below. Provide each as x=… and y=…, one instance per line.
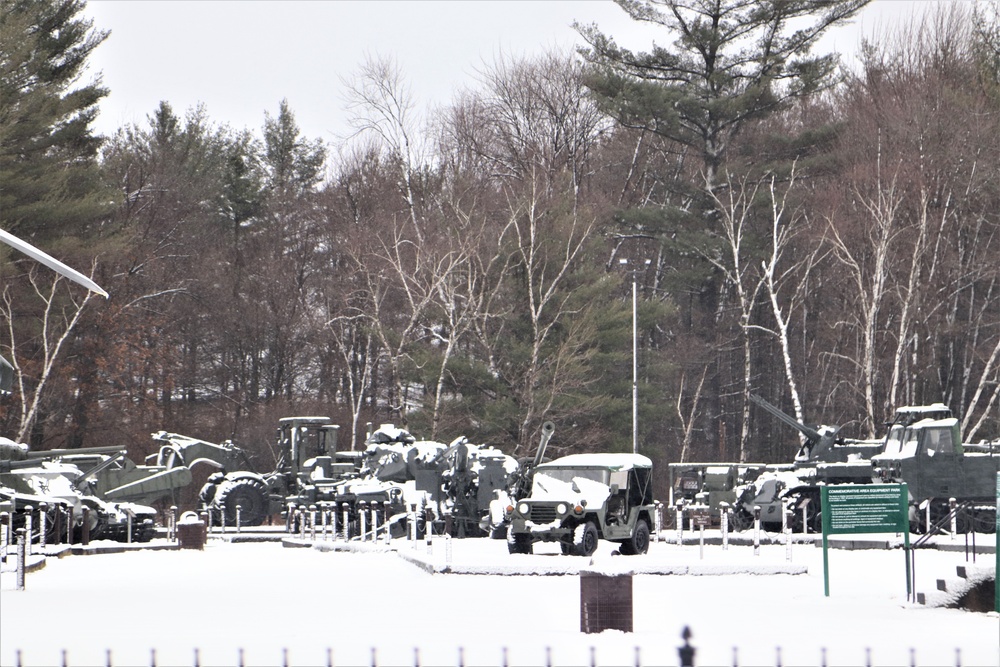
x=502, y=506
x=450, y=485
x=823, y=458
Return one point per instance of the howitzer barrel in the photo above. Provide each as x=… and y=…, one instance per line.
x=106, y=463
x=548, y=428
x=56, y=453
x=810, y=433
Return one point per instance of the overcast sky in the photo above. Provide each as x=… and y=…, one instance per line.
x=240, y=58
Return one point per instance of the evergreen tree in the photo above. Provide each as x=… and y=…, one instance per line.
x=733, y=61
x=48, y=173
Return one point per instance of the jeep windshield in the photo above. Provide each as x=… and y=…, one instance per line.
x=573, y=484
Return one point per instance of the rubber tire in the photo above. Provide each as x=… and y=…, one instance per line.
x=250, y=494
x=585, y=539
x=639, y=542
x=519, y=543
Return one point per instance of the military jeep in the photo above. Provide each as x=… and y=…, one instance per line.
x=578, y=499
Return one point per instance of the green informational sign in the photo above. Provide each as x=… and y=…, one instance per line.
x=871, y=508
x=867, y=508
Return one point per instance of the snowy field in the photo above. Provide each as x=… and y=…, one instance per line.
x=380, y=608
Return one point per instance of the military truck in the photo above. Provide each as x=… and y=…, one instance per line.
x=927, y=454
x=581, y=498
x=309, y=467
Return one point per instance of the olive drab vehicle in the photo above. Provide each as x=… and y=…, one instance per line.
x=309, y=466
x=29, y=478
x=824, y=457
x=578, y=499
x=924, y=450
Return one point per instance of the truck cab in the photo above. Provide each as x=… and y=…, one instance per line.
x=577, y=500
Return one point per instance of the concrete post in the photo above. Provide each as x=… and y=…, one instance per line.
x=28, y=517
x=239, y=518
x=363, y=519
x=42, y=527
x=22, y=557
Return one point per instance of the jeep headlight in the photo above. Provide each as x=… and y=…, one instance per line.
x=523, y=509
x=562, y=508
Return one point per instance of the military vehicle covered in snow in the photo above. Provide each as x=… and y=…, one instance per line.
x=578, y=499
x=925, y=451
x=824, y=457
x=450, y=484
x=30, y=478
x=309, y=466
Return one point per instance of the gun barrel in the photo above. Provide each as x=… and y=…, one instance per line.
x=56, y=453
x=791, y=421
x=548, y=428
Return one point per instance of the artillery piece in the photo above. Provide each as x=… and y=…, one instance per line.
x=31, y=478
x=823, y=458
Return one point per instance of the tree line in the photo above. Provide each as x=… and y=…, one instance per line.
x=825, y=238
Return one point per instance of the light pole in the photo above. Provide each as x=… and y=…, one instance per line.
x=635, y=355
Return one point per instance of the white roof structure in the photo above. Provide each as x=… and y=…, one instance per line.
x=616, y=461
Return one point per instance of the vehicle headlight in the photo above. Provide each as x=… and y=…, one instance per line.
x=523, y=508
x=562, y=508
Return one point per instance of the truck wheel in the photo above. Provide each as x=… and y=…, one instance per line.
x=519, y=543
x=639, y=542
x=250, y=494
x=585, y=539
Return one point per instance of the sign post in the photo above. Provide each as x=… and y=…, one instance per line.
x=996, y=587
x=868, y=508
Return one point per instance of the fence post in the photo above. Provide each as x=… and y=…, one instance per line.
x=172, y=524
x=363, y=519
x=4, y=534
x=42, y=527
x=22, y=556
x=680, y=524
x=345, y=514
x=312, y=522
x=756, y=530
x=659, y=519
x=686, y=652
x=724, y=524
x=239, y=518
x=85, y=529
x=954, y=517
x=28, y=511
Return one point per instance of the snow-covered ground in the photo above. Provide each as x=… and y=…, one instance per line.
x=334, y=606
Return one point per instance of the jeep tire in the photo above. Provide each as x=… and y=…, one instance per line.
x=585, y=539
x=639, y=542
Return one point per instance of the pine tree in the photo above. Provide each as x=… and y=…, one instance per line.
x=733, y=61
x=48, y=172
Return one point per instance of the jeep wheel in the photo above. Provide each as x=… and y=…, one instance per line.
x=639, y=542
x=519, y=543
x=585, y=539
